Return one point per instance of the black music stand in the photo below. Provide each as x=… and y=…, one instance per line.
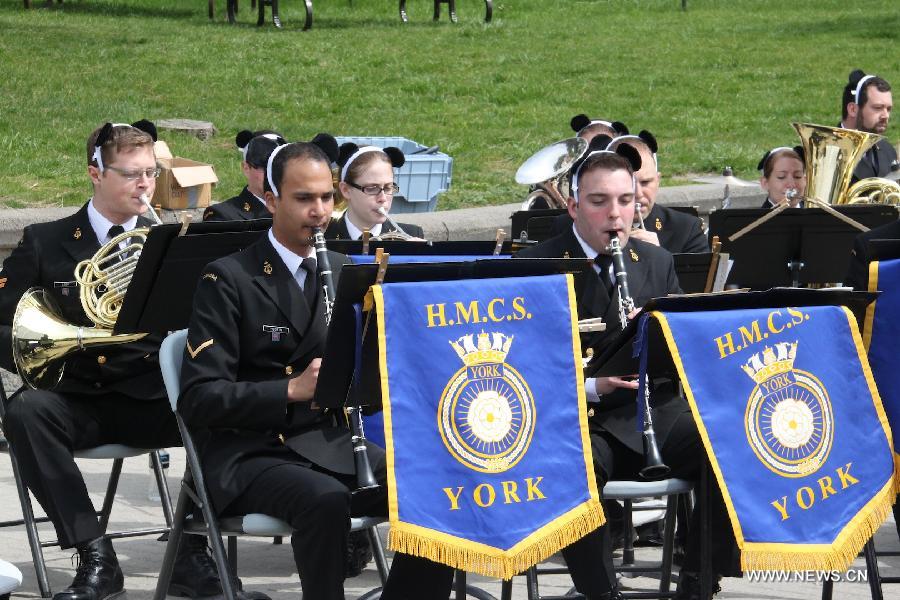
x=160, y=296
x=337, y=374
x=693, y=270
x=536, y=224
x=406, y=248
x=884, y=249
x=797, y=247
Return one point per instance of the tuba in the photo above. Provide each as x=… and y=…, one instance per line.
x=546, y=171
x=42, y=340
x=831, y=154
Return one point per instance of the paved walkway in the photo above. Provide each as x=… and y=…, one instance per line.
x=270, y=568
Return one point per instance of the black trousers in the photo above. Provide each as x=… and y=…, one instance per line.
x=44, y=429
x=318, y=505
x=683, y=452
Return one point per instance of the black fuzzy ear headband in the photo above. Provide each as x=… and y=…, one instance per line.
x=325, y=142
x=860, y=84
x=106, y=133
x=644, y=136
x=349, y=152
x=599, y=145
x=581, y=122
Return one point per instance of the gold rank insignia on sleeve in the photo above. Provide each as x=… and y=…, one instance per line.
x=246, y=207
x=634, y=255
x=658, y=224
x=200, y=348
x=210, y=276
x=267, y=268
x=77, y=233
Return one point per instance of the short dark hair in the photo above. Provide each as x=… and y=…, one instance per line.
x=258, y=150
x=295, y=150
x=880, y=84
x=122, y=137
x=602, y=160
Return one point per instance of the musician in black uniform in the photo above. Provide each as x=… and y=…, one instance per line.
x=674, y=230
x=249, y=204
x=781, y=170
x=367, y=183
x=248, y=379
x=602, y=205
x=866, y=106
x=108, y=395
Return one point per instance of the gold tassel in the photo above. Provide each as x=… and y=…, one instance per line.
x=503, y=565
x=836, y=557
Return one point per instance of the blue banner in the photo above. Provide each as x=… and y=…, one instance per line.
x=791, y=420
x=882, y=338
x=426, y=258
x=489, y=464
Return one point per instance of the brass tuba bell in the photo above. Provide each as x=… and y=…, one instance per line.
x=831, y=154
x=42, y=340
x=546, y=171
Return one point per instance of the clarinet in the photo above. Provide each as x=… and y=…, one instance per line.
x=654, y=467
x=365, y=478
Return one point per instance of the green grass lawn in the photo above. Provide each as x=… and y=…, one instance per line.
x=717, y=84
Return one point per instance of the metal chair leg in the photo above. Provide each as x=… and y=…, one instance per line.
x=872, y=567
x=628, y=527
x=378, y=552
x=164, y=498
x=308, y=23
x=488, y=11
x=168, y=564
x=665, y=576
x=403, y=16
x=31, y=531
x=110, y=493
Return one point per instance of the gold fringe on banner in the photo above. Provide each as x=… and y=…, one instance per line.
x=489, y=561
x=836, y=556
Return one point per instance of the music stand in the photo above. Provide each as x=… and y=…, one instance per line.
x=798, y=247
x=884, y=249
x=693, y=271
x=160, y=296
x=336, y=373
x=538, y=222
x=405, y=248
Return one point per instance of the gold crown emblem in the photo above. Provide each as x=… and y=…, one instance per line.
x=771, y=361
x=483, y=348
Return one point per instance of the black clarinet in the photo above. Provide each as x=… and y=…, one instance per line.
x=365, y=478
x=654, y=467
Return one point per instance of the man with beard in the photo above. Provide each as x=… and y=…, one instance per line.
x=867, y=105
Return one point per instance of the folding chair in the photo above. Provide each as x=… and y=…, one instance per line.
x=117, y=453
x=193, y=488
x=627, y=491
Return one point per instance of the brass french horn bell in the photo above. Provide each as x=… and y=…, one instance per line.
x=42, y=339
x=546, y=169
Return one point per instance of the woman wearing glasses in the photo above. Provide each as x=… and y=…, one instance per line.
x=367, y=182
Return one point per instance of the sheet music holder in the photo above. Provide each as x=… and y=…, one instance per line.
x=798, y=247
x=336, y=370
x=616, y=359
x=160, y=296
x=405, y=248
x=693, y=271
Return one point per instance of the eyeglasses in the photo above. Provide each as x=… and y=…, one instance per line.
x=373, y=190
x=135, y=174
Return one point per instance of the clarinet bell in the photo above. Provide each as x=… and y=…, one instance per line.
x=654, y=467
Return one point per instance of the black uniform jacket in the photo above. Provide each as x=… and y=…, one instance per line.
x=678, y=232
x=46, y=257
x=882, y=154
x=250, y=330
x=651, y=273
x=858, y=276
x=337, y=230
x=243, y=207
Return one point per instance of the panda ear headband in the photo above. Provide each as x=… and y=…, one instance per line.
x=581, y=122
x=349, y=152
x=644, y=136
x=243, y=138
x=324, y=141
x=600, y=145
x=106, y=133
x=860, y=85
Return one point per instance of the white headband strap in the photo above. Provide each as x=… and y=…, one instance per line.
x=356, y=155
x=596, y=122
x=98, y=154
x=860, y=86
x=269, y=168
x=771, y=154
x=578, y=170
x=272, y=136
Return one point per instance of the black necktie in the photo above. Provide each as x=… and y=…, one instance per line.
x=604, y=261
x=874, y=152
x=309, y=285
x=115, y=230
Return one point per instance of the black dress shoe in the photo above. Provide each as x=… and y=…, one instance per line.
x=98, y=576
x=359, y=553
x=689, y=586
x=195, y=574
x=610, y=595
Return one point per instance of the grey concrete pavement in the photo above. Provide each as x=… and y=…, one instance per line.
x=269, y=568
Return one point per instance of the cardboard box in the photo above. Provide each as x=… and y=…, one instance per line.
x=183, y=183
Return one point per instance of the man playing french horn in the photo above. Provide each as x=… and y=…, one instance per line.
x=107, y=394
x=602, y=206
